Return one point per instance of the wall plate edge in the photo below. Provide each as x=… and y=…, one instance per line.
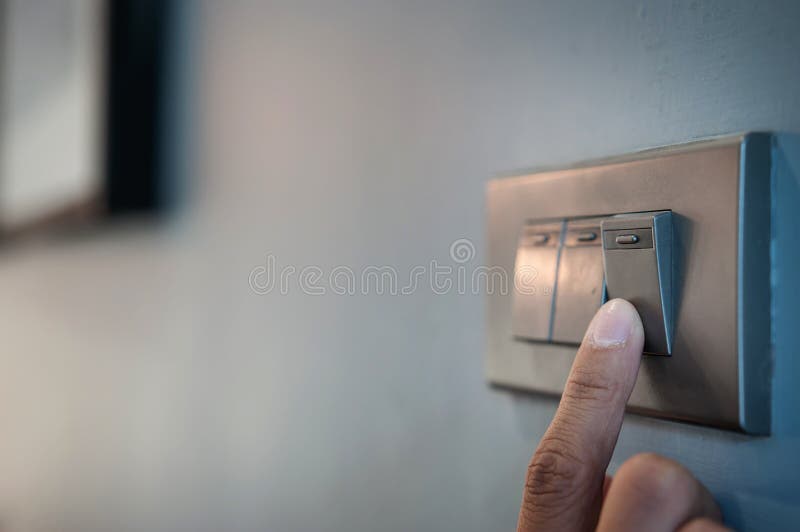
x=754, y=286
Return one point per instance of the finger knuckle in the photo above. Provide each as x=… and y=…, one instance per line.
x=654, y=478
x=590, y=386
x=553, y=479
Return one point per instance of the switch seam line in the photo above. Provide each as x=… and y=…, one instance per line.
x=561, y=237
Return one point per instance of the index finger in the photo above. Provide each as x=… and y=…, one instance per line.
x=564, y=484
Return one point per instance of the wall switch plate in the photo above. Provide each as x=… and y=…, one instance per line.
x=718, y=195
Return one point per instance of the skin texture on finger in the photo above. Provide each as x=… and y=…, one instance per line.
x=654, y=493
x=564, y=484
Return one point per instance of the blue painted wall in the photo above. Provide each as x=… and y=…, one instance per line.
x=145, y=385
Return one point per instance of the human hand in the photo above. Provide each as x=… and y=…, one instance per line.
x=566, y=487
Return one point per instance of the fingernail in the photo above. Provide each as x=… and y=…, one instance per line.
x=612, y=324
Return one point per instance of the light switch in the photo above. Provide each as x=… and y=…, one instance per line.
x=535, y=279
x=700, y=281
x=637, y=252
x=579, y=290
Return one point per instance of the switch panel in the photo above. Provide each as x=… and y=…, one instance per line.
x=637, y=256
x=535, y=280
x=579, y=292
x=694, y=258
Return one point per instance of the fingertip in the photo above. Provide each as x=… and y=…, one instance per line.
x=616, y=324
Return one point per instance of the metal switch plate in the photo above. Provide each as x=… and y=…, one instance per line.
x=637, y=257
x=567, y=254
x=718, y=191
x=535, y=279
x=580, y=281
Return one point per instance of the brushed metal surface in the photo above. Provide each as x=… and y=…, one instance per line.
x=709, y=186
x=580, y=281
x=535, y=280
x=641, y=272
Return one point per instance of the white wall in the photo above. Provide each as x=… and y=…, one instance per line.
x=144, y=386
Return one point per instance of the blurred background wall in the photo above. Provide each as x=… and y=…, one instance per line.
x=145, y=386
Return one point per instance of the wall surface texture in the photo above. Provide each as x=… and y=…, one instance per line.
x=145, y=386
